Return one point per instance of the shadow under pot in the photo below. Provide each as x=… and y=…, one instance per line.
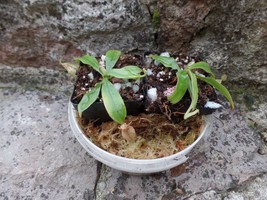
x=97, y=112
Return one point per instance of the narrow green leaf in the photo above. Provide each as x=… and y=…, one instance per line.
x=113, y=102
x=112, y=56
x=201, y=65
x=166, y=61
x=89, y=98
x=181, y=87
x=128, y=72
x=91, y=61
x=218, y=87
x=193, y=90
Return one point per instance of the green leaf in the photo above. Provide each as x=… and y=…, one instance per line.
x=89, y=98
x=193, y=90
x=113, y=102
x=166, y=61
x=91, y=61
x=201, y=65
x=128, y=72
x=112, y=56
x=218, y=87
x=181, y=87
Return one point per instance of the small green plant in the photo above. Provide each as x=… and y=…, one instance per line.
x=187, y=80
x=112, y=100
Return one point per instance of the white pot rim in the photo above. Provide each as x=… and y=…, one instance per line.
x=114, y=161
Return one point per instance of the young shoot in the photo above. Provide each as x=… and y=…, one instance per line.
x=187, y=81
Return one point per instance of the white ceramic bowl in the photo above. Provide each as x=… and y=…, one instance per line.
x=128, y=165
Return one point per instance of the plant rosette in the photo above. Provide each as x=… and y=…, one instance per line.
x=154, y=140
x=108, y=87
x=180, y=87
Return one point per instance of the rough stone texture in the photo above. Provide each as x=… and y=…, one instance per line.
x=259, y=117
x=180, y=21
x=207, y=195
x=233, y=41
x=255, y=190
x=40, y=157
x=36, y=78
x=39, y=33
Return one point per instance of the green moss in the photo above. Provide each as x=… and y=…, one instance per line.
x=156, y=19
x=249, y=101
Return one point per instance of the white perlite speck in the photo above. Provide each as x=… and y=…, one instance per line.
x=152, y=94
x=137, y=81
x=117, y=86
x=103, y=58
x=212, y=105
x=128, y=84
x=102, y=61
x=149, y=72
x=91, y=76
x=135, y=88
x=166, y=54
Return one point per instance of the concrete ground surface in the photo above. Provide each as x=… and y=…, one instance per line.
x=41, y=159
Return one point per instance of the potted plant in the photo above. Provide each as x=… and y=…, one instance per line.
x=96, y=92
x=189, y=77
x=163, y=127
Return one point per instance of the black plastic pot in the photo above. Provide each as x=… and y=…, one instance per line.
x=97, y=111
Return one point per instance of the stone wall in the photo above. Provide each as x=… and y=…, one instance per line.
x=40, y=32
x=231, y=35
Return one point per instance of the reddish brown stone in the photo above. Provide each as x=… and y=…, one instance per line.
x=180, y=21
x=33, y=48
